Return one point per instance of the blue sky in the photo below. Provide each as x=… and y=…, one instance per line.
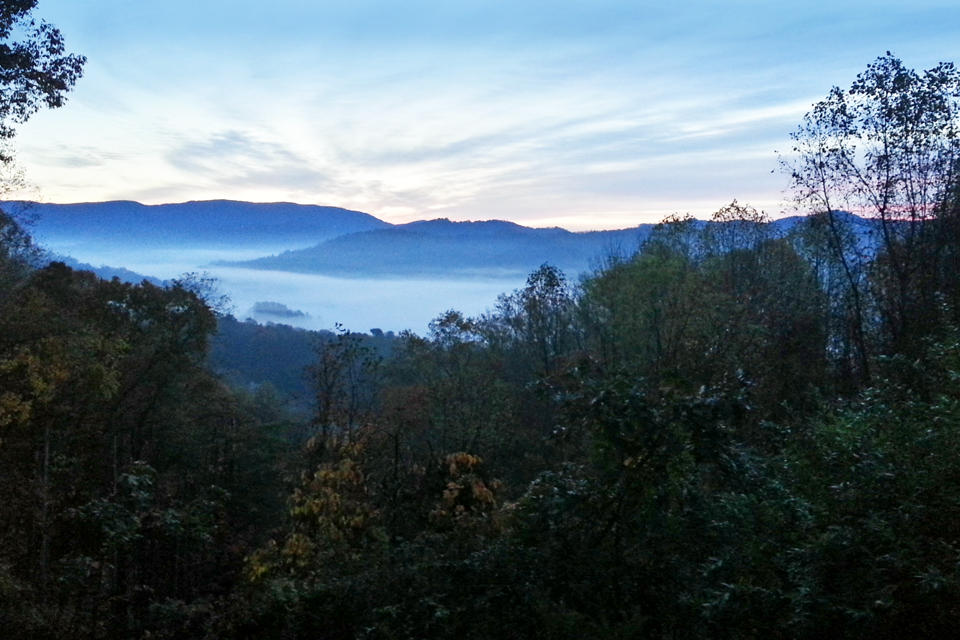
x=585, y=115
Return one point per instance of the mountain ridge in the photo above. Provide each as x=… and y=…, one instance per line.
x=427, y=248
x=315, y=239
x=197, y=222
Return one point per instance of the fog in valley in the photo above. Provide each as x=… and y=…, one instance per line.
x=358, y=304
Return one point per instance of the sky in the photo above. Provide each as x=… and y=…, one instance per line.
x=597, y=114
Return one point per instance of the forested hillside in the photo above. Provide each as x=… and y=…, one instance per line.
x=733, y=432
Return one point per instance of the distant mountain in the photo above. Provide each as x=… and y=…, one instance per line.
x=318, y=239
x=105, y=272
x=213, y=223
x=444, y=248
x=441, y=248
x=333, y=241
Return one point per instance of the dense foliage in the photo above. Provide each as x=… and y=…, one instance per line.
x=734, y=433
x=35, y=69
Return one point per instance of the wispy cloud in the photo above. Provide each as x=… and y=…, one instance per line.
x=591, y=114
x=236, y=158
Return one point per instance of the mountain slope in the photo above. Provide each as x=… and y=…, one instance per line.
x=327, y=240
x=468, y=249
x=213, y=223
x=441, y=247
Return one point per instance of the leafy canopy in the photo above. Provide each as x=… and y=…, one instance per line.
x=35, y=69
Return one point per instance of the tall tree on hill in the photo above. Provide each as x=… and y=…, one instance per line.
x=537, y=321
x=704, y=303
x=887, y=149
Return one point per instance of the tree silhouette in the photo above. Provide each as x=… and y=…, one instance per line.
x=35, y=70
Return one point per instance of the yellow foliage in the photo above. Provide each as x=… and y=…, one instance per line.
x=331, y=507
x=14, y=409
x=260, y=564
x=482, y=493
x=33, y=374
x=298, y=549
x=468, y=505
x=457, y=461
x=451, y=493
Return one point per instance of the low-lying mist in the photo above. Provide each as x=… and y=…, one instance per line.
x=358, y=304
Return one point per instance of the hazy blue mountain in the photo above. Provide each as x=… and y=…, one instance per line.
x=445, y=248
x=106, y=272
x=467, y=249
x=327, y=240
x=213, y=223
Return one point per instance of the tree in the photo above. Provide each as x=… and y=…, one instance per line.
x=887, y=149
x=708, y=302
x=129, y=476
x=345, y=379
x=18, y=253
x=35, y=71
x=538, y=319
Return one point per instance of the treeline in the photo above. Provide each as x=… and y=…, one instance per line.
x=735, y=433
x=687, y=444
x=130, y=477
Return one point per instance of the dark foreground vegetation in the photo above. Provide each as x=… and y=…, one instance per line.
x=734, y=433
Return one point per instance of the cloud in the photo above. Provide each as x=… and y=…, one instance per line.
x=76, y=159
x=596, y=112
x=237, y=159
